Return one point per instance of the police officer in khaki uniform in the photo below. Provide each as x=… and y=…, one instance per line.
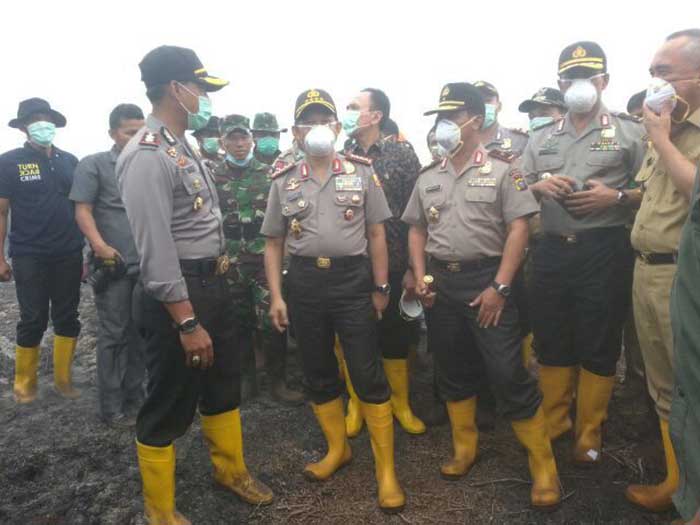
x=183, y=303
x=655, y=238
x=493, y=135
x=581, y=169
x=329, y=210
x=468, y=213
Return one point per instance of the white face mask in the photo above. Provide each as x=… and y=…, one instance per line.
x=449, y=135
x=659, y=93
x=319, y=141
x=581, y=95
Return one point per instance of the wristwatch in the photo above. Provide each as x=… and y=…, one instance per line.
x=384, y=289
x=622, y=197
x=188, y=325
x=502, y=289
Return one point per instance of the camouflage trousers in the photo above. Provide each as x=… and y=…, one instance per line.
x=251, y=294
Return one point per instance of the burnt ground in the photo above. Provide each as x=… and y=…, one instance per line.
x=60, y=465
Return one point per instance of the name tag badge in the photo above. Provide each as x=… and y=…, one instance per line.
x=348, y=183
x=482, y=182
x=434, y=188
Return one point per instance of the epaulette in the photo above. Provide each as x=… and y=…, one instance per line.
x=519, y=131
x=281, y=168
x=431, y=165
x=626, y=116
x=505, y=156
x=358, y=159
x=150, y=138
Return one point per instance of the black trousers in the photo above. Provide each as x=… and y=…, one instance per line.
x=580, y=296
x=465, y=353
x=333, y=300
x=175, y=390
x=396, y=335
x=47, y=285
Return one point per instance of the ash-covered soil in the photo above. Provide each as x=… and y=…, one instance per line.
x=60, y=465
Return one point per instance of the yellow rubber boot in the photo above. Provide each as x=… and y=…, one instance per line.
x=26, y=366
x=157, y=465
x=465, y=438
x=353, y=419
x=657, y=498
x=338, y=351
x=224, y=437
x=380, y=424
x=330, y=419
x=557, y=385
x=63, y=349
x=526, y=349
x=592, y=400
x=532, y=433
x=397, y=374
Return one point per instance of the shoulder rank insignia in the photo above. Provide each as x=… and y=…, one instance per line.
x=376, y=180
x=281, y=168
x=359, y=159
x=431, y=165
x=168, y=136
x=505, y=156
x=150, y=139
x=627, y=116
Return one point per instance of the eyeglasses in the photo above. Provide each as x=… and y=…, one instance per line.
x=566, y=82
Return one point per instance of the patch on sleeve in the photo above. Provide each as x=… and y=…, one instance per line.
x=518, y=180
x=150, y=139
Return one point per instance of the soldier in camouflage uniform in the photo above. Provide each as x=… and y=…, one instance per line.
x=266, y=134
x=243, y=184
x=208, y=143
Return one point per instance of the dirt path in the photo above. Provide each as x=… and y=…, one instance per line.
x=60, y=465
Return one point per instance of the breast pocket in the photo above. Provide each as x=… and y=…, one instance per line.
x=350, y=205
x=435, y=207
x=298, y=208
x=480, y=202
x=188, y=196
x=551, y=165
x=605, y=159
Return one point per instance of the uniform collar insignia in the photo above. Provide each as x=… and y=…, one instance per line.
x=168, y=136
x=605, y=120
x=443, y=164
x=304, y=170
x=337, y=166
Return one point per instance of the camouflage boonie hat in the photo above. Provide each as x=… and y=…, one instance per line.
x=266, y=122
x=234, y=123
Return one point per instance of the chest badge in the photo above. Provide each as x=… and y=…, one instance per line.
x=198, y=203
x=349, y=167
x=295, y=228
x=172, y=152
x=355, y=199
x=292, y=185
x=348, y=183
x=433, y=215
x=197, y=184
x=349, y=214
x=507, y=143
x=486, y=168
x=301, y=203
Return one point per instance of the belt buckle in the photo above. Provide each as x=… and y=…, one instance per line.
x=454, y=267
x=644, y=257
x=223, y=263
x=571, y=239
x=323, y=262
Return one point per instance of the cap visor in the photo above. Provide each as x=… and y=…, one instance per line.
x=212, y=83
x=283, y=130
x=526, y=106
x=443, y=109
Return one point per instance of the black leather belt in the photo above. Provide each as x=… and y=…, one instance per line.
x=329, y=262
x=657, y=258
x=582, y=236
x=205, y=267
x=466, y=266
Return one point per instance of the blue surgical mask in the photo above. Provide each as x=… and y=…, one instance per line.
x=196, y=121
x=351, y=122
x=210, y=145
x=240, y=163
x=42, y=133
x=490, y=111
x=538, y=122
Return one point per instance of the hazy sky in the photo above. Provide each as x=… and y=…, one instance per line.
x=83, y=56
